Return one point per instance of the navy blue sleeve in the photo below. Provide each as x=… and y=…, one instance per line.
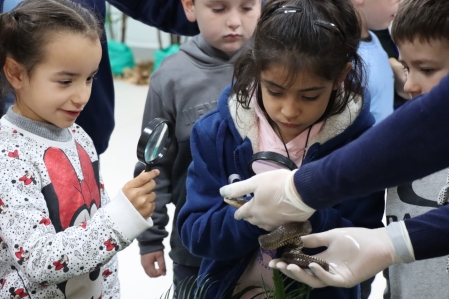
x=97, y=118
x=429, y=233
x=409, y=144
x=165, y=15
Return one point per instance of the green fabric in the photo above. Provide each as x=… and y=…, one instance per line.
x=120, y=57
x=160, y=55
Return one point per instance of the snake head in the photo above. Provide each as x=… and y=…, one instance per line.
x=235, y=202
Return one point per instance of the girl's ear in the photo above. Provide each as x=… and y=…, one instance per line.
x=14, y=72
x=343, y=75
x=189, y=9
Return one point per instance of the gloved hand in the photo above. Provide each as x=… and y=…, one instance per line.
x=353, y=254
x=275, y=200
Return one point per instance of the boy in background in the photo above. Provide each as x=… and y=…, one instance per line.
x=377, y=15
x=185, y=87
x=421, y=33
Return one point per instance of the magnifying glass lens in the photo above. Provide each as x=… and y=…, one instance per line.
x=261, y=166
x=268, y=161
x=156, y=143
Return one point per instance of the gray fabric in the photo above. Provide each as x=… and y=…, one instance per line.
x=401, y=243
x=185, y=87
x=48, y=131
x=426, y=278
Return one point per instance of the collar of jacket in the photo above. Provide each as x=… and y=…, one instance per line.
x=337, y=130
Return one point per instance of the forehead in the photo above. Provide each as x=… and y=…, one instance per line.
x=226, y=2
x=371, y=6
x=380, y=2
x=283, y=76
x=420, y=49
x=71, y=51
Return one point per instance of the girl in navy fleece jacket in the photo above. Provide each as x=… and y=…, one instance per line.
x=298, y=92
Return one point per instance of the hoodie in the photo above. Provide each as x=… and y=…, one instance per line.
x=185, y=87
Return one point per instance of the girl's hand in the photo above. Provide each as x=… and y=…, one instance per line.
x=140, y=193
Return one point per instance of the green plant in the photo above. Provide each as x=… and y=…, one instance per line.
x=283, y=288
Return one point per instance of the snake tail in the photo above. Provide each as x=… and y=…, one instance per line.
x=303, y=260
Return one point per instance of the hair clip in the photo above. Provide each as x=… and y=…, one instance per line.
x=294, y=9
x=329, y=26
x=290, y=9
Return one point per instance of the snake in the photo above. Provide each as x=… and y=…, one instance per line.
x=288, y=235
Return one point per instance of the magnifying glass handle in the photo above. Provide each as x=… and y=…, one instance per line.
x=147, y=168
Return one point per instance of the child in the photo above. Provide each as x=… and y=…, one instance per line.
x=421, y=32
x=297, y=91
x=184, y=88
x=59, y=234
x=376, y=15
x=163, y=15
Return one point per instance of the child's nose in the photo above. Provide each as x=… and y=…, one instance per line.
x=233, y=20
x=81, y=97
x=412, y=87
x=290, y=110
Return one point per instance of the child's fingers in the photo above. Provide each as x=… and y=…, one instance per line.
x=143, y=179
x=147, y=188
x=151, y=174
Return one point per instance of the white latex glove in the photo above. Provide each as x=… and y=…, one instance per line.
x=275, y=200
x=353, y=254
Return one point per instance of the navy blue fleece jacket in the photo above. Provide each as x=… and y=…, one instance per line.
x=221, y=152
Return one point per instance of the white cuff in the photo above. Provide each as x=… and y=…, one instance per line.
x=125, y=217
x=293, y=196
x=401, y=241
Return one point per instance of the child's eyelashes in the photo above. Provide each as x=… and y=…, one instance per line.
x=424, y=70
x=281, y=94
x=222, y=9
x=427, y=71
x=68, y=82
x=274, y=94
x=311, y=99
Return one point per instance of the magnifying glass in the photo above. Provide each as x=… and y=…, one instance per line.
x=267, y=161
x=154, y=142
x=262, y=162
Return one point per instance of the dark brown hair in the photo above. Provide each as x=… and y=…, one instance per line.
x=425, y=20
x=26, y=29
x=318, y=36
